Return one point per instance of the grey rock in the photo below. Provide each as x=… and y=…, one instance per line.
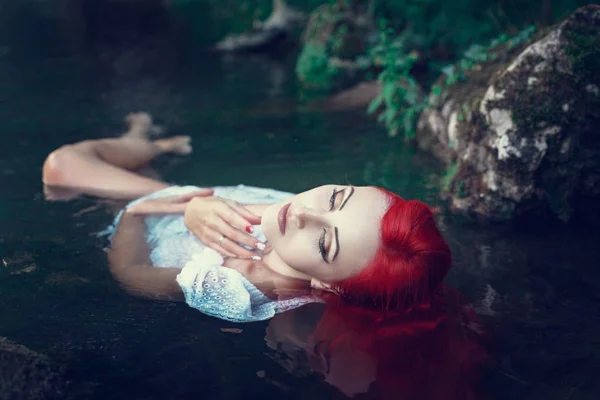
x=521, y=135
x=272, y=34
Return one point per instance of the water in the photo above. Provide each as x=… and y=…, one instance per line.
x=536, y=289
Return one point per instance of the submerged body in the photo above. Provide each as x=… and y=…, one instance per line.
x=206, y=283
x=365, y=244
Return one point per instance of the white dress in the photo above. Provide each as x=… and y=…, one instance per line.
x=207, y=285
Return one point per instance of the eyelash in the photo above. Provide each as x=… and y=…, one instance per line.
x=332, y=199
x=321, y=241
x=321, y=246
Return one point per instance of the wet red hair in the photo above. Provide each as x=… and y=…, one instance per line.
x=428, y=353
x=410, y=264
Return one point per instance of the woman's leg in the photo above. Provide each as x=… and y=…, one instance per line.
x=104, y=167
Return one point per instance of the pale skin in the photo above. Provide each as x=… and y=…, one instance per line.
x=326, y=237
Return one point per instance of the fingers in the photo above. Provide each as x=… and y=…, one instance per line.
x=236, y=235
x=184, y=198
x=220, y=250
x=249, y=216
x=238, y=251
x=234, y=217
x=229, y=247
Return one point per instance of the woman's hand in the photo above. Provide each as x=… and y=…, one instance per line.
x=220, y=224
x=167, y=205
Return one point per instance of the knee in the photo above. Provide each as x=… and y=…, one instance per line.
x=56, y=167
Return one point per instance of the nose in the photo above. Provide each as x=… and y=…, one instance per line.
x=305, y=215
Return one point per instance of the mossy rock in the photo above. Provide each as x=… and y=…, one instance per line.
x=520, y=132
x=335, y=34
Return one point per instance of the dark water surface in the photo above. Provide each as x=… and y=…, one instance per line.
x=536, y=289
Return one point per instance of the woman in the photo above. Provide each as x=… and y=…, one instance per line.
x=364, y=243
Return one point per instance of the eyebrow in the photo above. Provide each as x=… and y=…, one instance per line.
x=337, y=244
x=337, y=235
x=347, y=198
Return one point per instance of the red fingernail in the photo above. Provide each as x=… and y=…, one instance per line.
x=249, y=229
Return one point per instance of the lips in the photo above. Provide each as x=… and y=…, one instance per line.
x=282, y=217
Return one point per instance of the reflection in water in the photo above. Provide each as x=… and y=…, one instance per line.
x=538, y=290
x=430, y=353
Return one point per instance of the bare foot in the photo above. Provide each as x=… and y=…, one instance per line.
x=141, y=126
x=177, y=145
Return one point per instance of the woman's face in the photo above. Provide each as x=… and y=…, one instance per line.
x=329, y=233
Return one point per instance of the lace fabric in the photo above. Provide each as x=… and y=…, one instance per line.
x=224, y=293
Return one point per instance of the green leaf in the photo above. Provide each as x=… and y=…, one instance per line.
x=393, y=130
x=390, y=114
x=451, y=80
x=375, y=104
x=411, y=97
x=388, y=91
x=449, y=70
x=408, y=123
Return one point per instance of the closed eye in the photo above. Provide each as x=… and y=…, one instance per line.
x=322, y=249
x=333, y=198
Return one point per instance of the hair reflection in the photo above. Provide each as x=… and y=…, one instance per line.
x=433, y=352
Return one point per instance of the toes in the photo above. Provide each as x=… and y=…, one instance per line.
x=181, y=145
x=185, y=149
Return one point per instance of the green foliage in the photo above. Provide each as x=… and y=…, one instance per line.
x=430, y=28
x=314, y=69
x=478, y=54
x=455, y=25
x=451, y=171
x=400, y=94
x=397, y=54
x=400, y=90
x=332, y=37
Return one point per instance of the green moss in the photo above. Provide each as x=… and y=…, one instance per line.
x=331, y=33
x=447, y=178
x=584, y=50
x=477, y=55
x=313, y=67
x=461, y=191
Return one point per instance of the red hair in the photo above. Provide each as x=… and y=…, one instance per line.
x=410, y=264
x=434, y=352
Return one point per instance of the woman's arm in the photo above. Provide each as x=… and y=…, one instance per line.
x=209, y=217
x=130, y=263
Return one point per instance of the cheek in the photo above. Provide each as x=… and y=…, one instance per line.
x=300, y=251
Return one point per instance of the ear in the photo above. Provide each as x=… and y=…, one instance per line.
x=320, y=285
